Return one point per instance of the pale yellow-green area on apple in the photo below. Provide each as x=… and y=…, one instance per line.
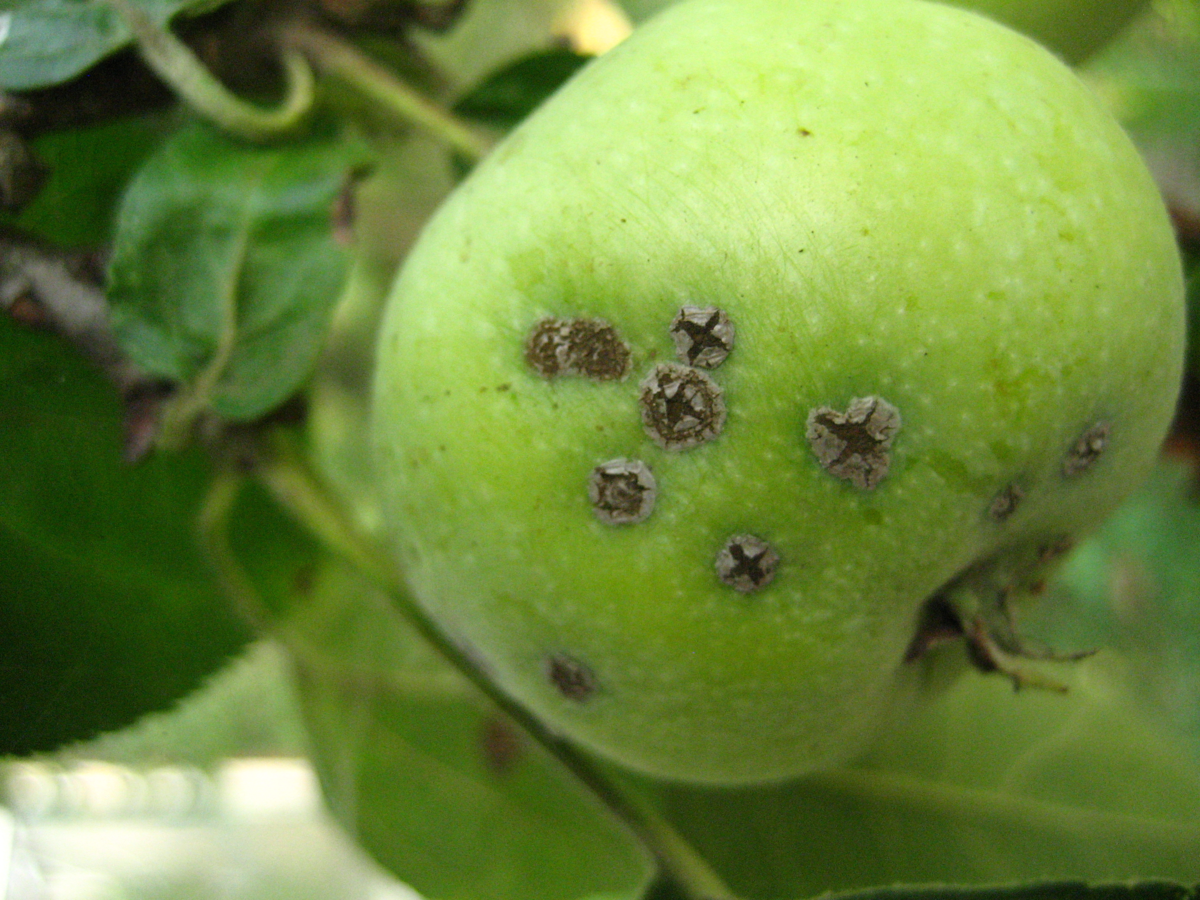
x=889, y=198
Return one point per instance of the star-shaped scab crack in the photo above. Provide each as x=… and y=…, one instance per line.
x=681, y=406
x=622, y=491
x=855, y=445
x=746, y=563
x=703, y=336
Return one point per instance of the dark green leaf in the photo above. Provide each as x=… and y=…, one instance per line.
x=434, y=783
x=225, y=269
x=47, y=42
x=979, y=785
x=107, y=609
x=89, y=169
x=246, y=708
x=512, y=93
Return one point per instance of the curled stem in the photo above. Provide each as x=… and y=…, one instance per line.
x=288, y=476
x=178, y=66
x=347, y=63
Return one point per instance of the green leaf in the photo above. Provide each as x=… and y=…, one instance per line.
x=511, y=93
x=47, y=42
x=1151, y=79
x=107, y=609
x=640, y=10
x=89, y=169
x=429, y=779
x=1069, y=890
x=490, y=34
x=246, y=708
x=979, y=785
x=225, y=270
x=1058, y=890
x=1134, y=586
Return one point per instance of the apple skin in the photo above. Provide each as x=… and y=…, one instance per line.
x=889, y=199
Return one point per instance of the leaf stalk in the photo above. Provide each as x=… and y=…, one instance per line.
x=212, y=532
x=179, y=67
x=342, y=60
x=288, y=476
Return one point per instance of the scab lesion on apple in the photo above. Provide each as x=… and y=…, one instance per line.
x=1085, y=451
x=703, y=336
x=1005, y=503
x=682, y=407
x=590, y=348
x=856, y=444
x=573, y=679
x=622, y=491
x=747, y=563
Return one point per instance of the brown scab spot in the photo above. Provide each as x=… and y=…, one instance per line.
x=587, y=347
x=573, y=679
x=1086, y=450
x=746, y=563
x=855, y=444
x=703, y=336
x=502, y=744
x=622, y=491
x=1055, y=549
x=1005, y=503
x=681, y=406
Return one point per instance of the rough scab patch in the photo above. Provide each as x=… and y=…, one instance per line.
x=1086, y=450
x=855, y=444
x=703, y=336
x=573, y=679
x=1055, y=549
x=681, y=406
x=746, y=563
x=622, y=491
x=502, y=745
x=1005, y=503
x=587, y=347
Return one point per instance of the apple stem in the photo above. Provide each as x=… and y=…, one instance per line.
x=287, y=475
x=178, y=66
x=342, y=60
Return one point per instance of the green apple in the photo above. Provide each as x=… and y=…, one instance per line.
x=1074, y=29
x=779, y=326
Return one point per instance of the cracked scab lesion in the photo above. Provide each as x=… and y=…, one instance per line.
x=590, y=348
x=622, y=491
x=1086, y=450
x=570, y=677
x=1005, y=503
x=855, y=445
x=746, y=563
x=703, y=336
x=681, y=406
